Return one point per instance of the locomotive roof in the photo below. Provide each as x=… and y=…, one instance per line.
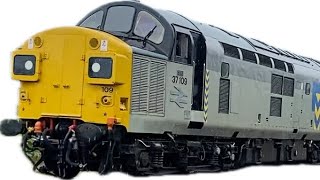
x=210, y=31
x=169, y=18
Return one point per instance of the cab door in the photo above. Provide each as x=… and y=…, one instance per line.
x=191, y=50
x=180, y=75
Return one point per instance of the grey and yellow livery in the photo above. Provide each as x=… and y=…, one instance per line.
x=148, y=91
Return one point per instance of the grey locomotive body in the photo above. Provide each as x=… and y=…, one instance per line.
x=206, y=98
x=236, y=87
x=239, y=100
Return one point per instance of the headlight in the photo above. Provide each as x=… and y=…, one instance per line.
x=100, y=67
x=24, y=65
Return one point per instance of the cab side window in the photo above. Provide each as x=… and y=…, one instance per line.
x=94, y=21
x=183, y=48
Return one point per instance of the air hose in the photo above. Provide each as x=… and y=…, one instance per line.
x=69, y=149
x=105, y=163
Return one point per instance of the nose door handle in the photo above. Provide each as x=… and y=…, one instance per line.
x=66, y=86
x=56, y=85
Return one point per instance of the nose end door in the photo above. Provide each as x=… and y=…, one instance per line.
x=72, y=76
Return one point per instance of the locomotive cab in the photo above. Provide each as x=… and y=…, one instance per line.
x=91, y=72
x=148, y=29
x=134, y=23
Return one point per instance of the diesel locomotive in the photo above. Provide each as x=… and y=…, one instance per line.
x=146, y=91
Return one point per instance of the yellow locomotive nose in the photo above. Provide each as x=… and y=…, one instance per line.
x=75, y=73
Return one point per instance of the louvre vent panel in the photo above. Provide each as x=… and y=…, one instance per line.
x=224, y=96
x=157, y=83
x=148, y=85
x=275, y=107
x=276, y=84
x=288, y=87
x=140, y=85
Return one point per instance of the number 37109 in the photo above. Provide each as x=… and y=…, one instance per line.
x=179, y=80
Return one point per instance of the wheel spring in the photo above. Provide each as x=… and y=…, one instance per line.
x=214, y=160
x=157, y=159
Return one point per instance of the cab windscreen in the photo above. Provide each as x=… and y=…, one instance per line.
x=24, y=65
x=100, y=67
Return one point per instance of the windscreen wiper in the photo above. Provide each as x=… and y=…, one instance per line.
x=148, y=36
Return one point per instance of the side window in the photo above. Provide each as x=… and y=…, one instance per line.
x=225, y=70
x=119, y=19
x=93, y=21
x=279, y=65
x=308, y=88
x=231, y=51
x=265, y=61
x=146, y=24
x=290, y=68
x=249, y=56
